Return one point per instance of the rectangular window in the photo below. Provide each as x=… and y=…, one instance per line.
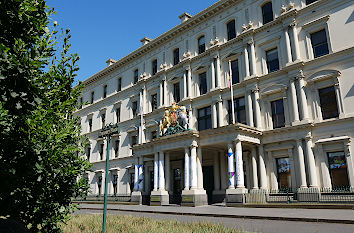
x=103, y=118
x=176, y=56
x=104, y=91
x=338, y=169
x=135, y=108
x=278, y=116
x=328, y=102
x=88, y=153
x=284, y=175
x=319, y=43
x=80, y=103
x=90, y=124
x=136, y=76
x=310, y=1
x=267, y=12
x=154, y=66
x=272, y=60
x=119, y=86
x=118, y=115
x=176, y=92
x=204, y=118
x=231, y=30
x=115, y=184
x=134, y=140
x=202, y=83
x=132, y=181
x=154, y=102
x=92, y=97
x=235, y=72
x=116, y=148
x=240, y=110
x=201, y=44
x=101, y=151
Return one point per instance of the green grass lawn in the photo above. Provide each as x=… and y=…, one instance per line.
x=122, y=223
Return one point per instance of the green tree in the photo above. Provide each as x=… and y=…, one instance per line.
x=40, y=141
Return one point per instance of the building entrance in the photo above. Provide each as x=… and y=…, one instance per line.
x=176, y=197
x=208, y=182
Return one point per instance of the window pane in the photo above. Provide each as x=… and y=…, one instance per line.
x=201, y=45
x=175, y=56
x=235, y=72
x=202, y=83
x=338, y=169
x=154, y=66
x=136, y=76
x=328, y=101
x=278, y=117
x=176, y=92
x=231, y=31
x=267, y=12
x=284, y=175
x=272, y=60
x=204, y=118
x=319, y=43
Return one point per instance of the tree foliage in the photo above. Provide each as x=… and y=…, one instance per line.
x=40, y=141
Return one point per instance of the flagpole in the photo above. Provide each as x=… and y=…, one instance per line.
x=232, y=94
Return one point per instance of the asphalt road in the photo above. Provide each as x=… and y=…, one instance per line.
x=249, y=225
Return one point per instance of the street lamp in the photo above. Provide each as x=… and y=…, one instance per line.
x=107, y=132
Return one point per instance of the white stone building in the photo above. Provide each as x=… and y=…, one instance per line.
x=293, y=87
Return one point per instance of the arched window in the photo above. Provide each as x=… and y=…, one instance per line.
x=176, y=56
x=201, y=44
x=231, y=30
x=267, y=12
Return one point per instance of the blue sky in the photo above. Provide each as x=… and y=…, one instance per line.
x=112, y=29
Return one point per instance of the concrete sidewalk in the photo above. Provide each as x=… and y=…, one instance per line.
x=343, y=216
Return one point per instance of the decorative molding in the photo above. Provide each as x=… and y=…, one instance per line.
x=317, y=21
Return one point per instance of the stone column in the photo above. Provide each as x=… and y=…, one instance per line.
x=218, y=74
x=194, y=180
x=257, y=109
x=141, y=175
x=136, y=175
x=165, y=93
x=156, y=171
x=220, y=114
x=146, y=179
x=295, y=109
x=216, y=172
x=167, y=171
x=231, y=169
x=349, y=160
x=189, y=86
x=253, y=59
x=254, y=168
x=246, y=59
x=249, y=109
x=287, y=45
x=212, y=74
x=302, y=173
x=199, y=167
x=222, y=170
x=240, y=179
x=184, y=85
x=339, y=100
x=303, y=100
x=186, y=168
x=313, y=183
x=295, y=41
x=161, y=171
x=161, y=94
x=262, y=168
x=214, y=116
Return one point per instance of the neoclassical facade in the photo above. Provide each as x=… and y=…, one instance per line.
x=288, y=129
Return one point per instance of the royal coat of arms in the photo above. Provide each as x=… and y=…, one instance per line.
x=175, y=120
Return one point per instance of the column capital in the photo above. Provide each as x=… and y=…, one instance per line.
x=308, y=137
x=293, y=23
x=194, y=144
x=237, y=140
x=300, y=75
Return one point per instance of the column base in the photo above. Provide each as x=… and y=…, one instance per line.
x=136, y=198
x=218, y=196
x=159, y=198
x=235, y=196
x=311, y=194
x=194, y=197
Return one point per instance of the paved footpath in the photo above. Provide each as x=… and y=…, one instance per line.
x=342, y=216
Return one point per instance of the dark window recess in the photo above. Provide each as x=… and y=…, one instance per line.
x=154, y=101
x=103, y=118
x=202, y=83
x=338, y=169
x=240, y=110
x=135, y=108
x=176, y=92
x=88, y=153
x=119, y=86
x=99, y=183
x=284, y=174
x=267, y=12
x=153, y=135
x=92, y=97
x=80, y=103
x=134, y=140
x=176, y=56
x=115, y=184
x=118, y=115
x=319, y=43
x=154, y=66
x=231, y=30
x=204, y=118
x=328, y=101
x=90, y=125
x=310, y=1
x=132, y=181
x=272, y=60
x=136, y=76
x=235, y=72
x=278, y=117
x=101, y=151
x=201, y=44
x=104, y=91
x=116, y=148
